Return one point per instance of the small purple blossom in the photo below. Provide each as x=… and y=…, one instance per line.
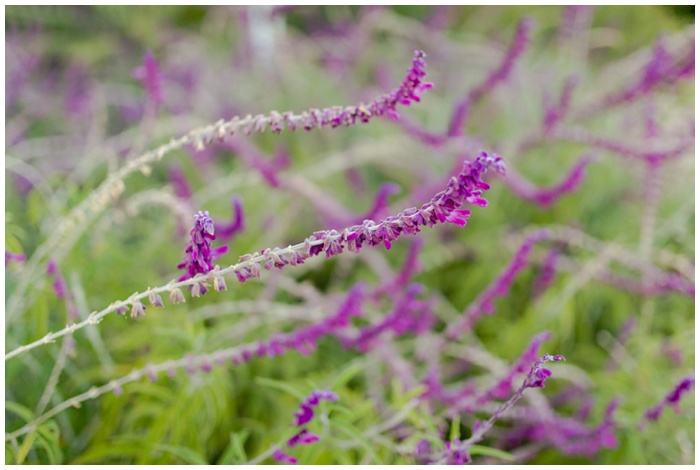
x=303, y=437
x=538, y=374
x=456, y=453
x=672, y=399
x=16, y=257
x=281, y=457
x=199, y=254
x=306, y=409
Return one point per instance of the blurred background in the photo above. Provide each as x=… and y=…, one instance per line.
x=78, y=106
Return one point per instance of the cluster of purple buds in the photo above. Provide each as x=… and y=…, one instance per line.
x=335, y=116
x=199, y=254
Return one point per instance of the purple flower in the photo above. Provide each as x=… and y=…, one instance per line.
x=672, y=399
x=199, y=253
x=59, y=284
x=503, y=388
x=456, y=453
x=150, y=77
x=538, y=374
x=18, y=257
x=281, y=457
x=306, y=409
x=303, y=437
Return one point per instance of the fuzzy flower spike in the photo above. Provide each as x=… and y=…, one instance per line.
x=199, y=254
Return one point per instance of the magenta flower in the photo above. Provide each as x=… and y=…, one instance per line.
x=199, y=254
x=306, y=409
x=281, y=457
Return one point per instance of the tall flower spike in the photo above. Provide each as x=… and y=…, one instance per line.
x=199, y=254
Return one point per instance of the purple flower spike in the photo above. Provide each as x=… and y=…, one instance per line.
x=464, y=188
x=503, y=388
x=498, y=287
x=521, y=40
x=150, y=77
x=672, y=399
x=199, y=254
